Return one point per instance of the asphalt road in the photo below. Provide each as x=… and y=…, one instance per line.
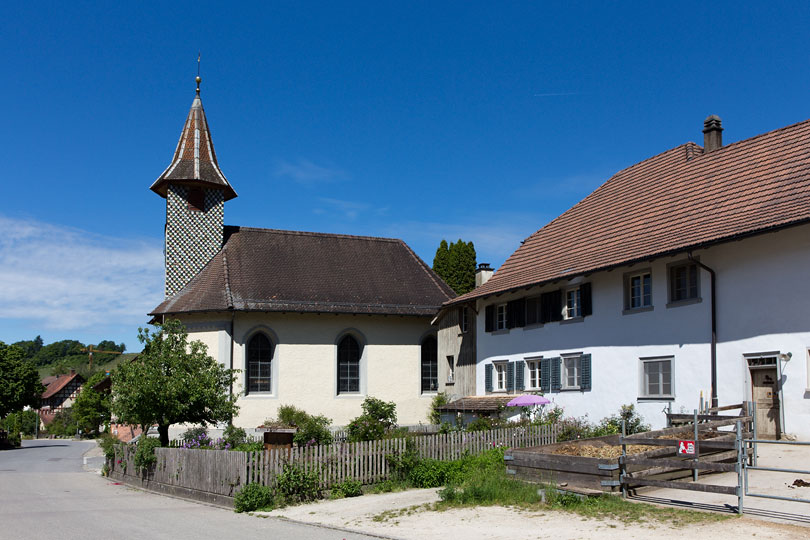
x=45, y=493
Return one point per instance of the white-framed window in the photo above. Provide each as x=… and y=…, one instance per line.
x=500, y=317
x=656, y=377
x=683, y=282
x=573, y=303
x=464, y=321
x=534, y=373
x=571, y=372
x=638, y=290
x=500, y=376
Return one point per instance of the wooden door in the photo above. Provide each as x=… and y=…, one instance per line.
x=765, y=392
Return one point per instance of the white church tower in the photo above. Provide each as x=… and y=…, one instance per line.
x=195, y=191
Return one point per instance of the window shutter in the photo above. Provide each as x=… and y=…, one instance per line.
x=555, y=305
x=556, y=375
x=516, y=313
x=585, y=371
x=488, y=377
x=520, y=369
x=489, y=321
x=545, y=375
x=531, y=311
x=585, y=298
x=545, y=307
x=510, y=376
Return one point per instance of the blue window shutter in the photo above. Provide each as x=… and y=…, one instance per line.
x=556, y=375
x=489, y=321
x=488, y=377
x=585, y=298
x=585, y=370
x=520, y=368
x=545, y=375
x=510, y=376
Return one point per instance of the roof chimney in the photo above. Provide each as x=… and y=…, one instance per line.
x=482, y=274
x=712, y=133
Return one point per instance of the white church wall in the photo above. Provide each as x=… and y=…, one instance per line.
x=762, y=307
x=304, y=370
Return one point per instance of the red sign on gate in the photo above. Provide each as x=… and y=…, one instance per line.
x=686, y=448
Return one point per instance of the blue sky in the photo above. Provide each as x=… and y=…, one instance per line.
x=417, y=120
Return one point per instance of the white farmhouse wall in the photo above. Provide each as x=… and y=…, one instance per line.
x=763, y=305
x=304, y=370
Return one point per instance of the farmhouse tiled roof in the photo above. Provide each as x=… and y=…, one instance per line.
x=679, y=200
x=59, y=383
x=194, y=161
x=289, y=271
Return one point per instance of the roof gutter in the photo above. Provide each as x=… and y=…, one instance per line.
x=714, y=325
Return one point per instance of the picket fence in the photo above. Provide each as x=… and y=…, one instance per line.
x=222, y=472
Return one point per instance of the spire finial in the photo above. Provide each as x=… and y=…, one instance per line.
x=199, y=80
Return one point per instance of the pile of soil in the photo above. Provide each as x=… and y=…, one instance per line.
x=605, y=451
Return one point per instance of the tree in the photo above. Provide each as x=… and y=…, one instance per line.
x=378, y=417
x=92, y=408
x=19, y=381
x=455, y=264
x=172, y=381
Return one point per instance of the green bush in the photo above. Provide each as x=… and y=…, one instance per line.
x=194, y=434
x=482, y=479
x=296, y=485
x=252, y=497
x=403, y=463
x=435, y=415
x=312, y=429
x=485, y=423
x=108, y=442
x=145, y=453
x=24, y=422
x=63, y=424
x=234, y=436
x=347, y=488
x=377, y=419
x=13, y=439
x=255, y=446
x=612, y=425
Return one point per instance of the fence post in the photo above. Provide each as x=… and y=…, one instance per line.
x=697, y=446
x=622, y=465
x=740, y=465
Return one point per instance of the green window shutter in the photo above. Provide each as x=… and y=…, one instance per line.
x=520, y=368
x=488, y=377
x=545, y=375
x=545, y=307
x=585, y=298
x=510, y=376
x=556, y=302
x=556, y=374
x=516, y=313
x=585, y=370
x=489, y=321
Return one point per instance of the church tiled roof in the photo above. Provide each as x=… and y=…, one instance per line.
x=677, y=201
x=289, y=271
x=194, y=161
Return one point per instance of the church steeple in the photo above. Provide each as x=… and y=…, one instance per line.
x=194, y=162
x=195, y=191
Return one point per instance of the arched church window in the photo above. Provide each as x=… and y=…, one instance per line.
x=196, y=200
x=348, y=353
x=260, y=356
x=430, y=364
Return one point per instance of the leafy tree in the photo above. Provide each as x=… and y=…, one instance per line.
x=172, y=381
x=30, y=348
x=92, y=408
x=455, y=264
x=64, y=424
x=108, y=345
x=378, y=418
x=58, y=350
x=19, y=382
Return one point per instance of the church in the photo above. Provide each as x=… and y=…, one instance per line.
x=319, y=321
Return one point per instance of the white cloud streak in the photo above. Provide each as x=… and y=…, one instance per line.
x=306, y=172
x=68, y=279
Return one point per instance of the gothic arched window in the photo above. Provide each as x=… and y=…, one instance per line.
x=348, y=353
x=430, y=364
x=260, y=356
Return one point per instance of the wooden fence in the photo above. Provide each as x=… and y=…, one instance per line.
x=222, y=472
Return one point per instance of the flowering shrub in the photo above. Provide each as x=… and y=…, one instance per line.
x=378, y=418
x=204, y=442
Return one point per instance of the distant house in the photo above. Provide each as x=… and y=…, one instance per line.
x=684, y=273
x=315, y=320
x=60, y=393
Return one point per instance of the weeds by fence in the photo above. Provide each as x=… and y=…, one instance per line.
x=223, y=472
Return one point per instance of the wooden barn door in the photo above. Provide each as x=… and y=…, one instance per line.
x=765, y=391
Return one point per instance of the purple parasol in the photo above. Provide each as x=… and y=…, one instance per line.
x=527, y=401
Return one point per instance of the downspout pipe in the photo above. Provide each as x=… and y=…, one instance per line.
x=713, y=287
x=230, y=391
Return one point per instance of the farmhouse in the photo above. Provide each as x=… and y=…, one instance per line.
x=682, y=274
x=319, y=321
x=60, y=393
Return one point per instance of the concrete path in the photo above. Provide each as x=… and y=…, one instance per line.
x=764, y=482
x=46, y=493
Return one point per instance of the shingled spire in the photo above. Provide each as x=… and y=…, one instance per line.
x=195, y=191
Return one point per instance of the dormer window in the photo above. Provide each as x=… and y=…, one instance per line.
x=196, y=200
